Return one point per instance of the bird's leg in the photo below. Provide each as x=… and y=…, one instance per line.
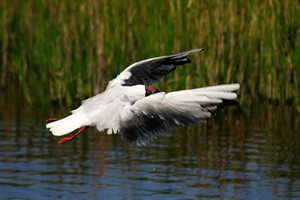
x=52, y=120
x=66, y=139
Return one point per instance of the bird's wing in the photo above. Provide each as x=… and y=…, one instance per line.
x=151, y=70
x=156, y=113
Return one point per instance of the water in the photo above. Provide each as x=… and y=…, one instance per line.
x=240, y=154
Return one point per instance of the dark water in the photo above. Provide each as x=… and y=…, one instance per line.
x=250, y=153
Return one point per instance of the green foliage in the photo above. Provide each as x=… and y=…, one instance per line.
x=61, y=50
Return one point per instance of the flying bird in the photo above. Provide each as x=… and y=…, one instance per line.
x=132, y=107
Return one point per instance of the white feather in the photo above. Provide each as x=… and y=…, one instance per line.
x=109, y=109
x=195, y=103
x=68, y=124
x=102, y=111
x=224, y=88
x=120, y=79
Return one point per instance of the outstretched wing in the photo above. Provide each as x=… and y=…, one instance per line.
x=156, y=113
x=151, y=70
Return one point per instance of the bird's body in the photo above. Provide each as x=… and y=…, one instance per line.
x=131, y=106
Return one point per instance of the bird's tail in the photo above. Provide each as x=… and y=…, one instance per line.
x=68, y=124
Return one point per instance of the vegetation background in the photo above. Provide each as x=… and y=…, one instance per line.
x=58, y=51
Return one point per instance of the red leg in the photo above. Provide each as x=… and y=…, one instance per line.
x=52, y=120
x=66, y=139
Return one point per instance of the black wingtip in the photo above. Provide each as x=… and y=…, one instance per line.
x=228, y=103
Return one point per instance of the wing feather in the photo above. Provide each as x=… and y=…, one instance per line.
x=151, y=70
x=144, y=120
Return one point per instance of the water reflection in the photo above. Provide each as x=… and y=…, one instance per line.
x=236, y=155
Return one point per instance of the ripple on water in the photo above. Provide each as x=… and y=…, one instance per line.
x=219, y=160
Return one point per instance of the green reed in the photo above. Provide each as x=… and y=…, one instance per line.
x=61, y=50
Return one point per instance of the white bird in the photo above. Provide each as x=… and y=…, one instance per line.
x=138, y=111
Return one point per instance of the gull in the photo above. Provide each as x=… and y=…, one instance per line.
x=132, y=107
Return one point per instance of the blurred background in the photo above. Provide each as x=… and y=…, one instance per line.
x=66, y=50
x=55, y=53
